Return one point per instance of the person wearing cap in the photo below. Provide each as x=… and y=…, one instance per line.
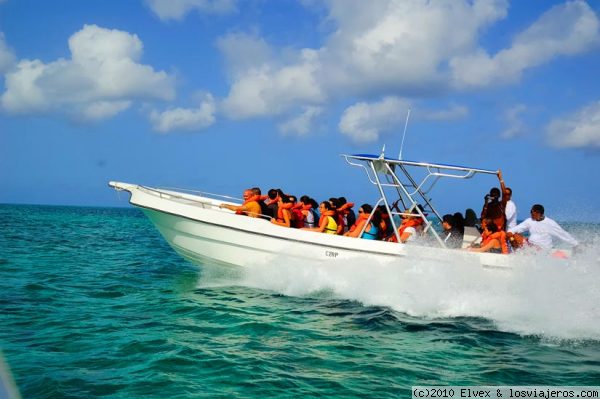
x=542, y=230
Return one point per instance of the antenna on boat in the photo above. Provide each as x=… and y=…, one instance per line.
x=404, y=134
x=382, y=152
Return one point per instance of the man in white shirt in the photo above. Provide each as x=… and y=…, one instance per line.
x=542, y=229
x=510, y=211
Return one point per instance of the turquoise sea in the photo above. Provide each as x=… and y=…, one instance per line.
x=93, y=303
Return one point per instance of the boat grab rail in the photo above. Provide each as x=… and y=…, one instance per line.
x=171, y=194
x=160, y=192
x=201, y=193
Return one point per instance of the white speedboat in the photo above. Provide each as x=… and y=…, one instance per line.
x=200, y=231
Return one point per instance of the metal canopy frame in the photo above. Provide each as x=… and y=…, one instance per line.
x=396, y=178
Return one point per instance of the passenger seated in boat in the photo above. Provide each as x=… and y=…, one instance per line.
x=249, y=207
x=470, y=218
x=339, y=217
x=327, y=223
x=264, y=210
x=365, y=212
x=345, y=208
x=284, y=211
x=454, y=236
x=385, y=227
x=308, y=210
x=297, y=215
x=459, y=222
x=492, y=239
x=409, y=229
x=272, y=200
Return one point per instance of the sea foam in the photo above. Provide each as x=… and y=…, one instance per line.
x=551, y=298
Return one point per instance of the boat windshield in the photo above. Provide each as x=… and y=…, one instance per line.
x=405, y=186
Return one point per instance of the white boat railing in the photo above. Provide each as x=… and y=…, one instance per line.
x=205, y=194
x=203, y=198
x=409, y=190
x=200, y=198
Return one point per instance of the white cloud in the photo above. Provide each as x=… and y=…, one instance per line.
x=98, y=110
x=101, y=79
x=391, y=47
x=565, y=29
x=404, y=48
x=178, y=9
x=185, y=118
x=515, y=126
x=364, y=122
x=273, y=90
x=301, y=125
x=7, y=57
x=578, y=130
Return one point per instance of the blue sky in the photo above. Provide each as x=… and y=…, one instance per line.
x=219, y=95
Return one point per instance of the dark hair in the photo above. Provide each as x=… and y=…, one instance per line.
x=305, y=199
x=335, y=203
x=459, y=222
x=272, y=193
x=376, y=218
x=495, y=192
x=342, y=201
x=327, y=205
x=256, y=190
x=367, y=208
x=292, y=198
x=470, y=218
x=448, y=219
x=509, y=190
x=538, y=208
x=284, y=198
x=490, y=225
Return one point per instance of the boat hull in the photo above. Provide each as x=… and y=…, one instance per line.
x=203, y=233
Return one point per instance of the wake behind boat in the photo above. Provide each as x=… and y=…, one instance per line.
x=202, y=232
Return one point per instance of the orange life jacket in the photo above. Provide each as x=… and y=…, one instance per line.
x=500, y=236
x=324, y=217
x=325, y=214
x=409, y=222
x=288, y=206
x=345, y=209
x=254, y=198
x=406, y=223
x=361, y=217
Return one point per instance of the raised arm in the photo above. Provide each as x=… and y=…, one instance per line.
x=502, y=189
